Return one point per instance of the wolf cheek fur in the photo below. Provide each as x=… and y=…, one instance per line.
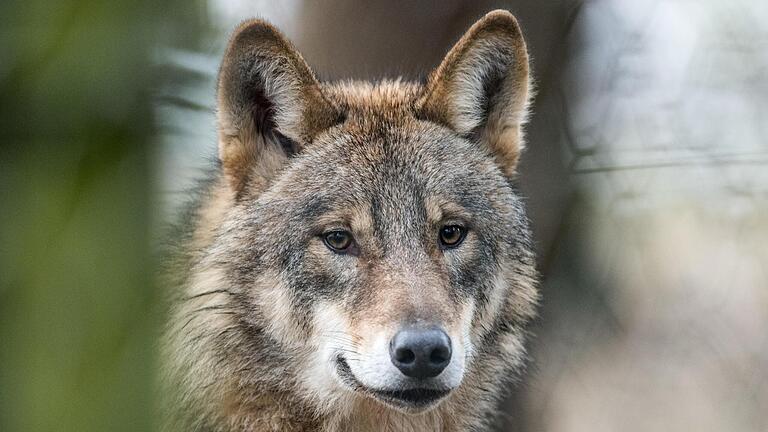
x=412, y=316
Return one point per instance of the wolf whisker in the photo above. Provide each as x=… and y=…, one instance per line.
x=203, y=294
x=210, y=307
x=225, y=312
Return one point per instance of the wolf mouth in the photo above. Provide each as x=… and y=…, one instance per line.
x=413, y=398
x=407, y=399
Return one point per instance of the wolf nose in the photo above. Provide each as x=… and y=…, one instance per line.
x=420, y=352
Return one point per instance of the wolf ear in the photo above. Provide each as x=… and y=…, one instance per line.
x=481, y=89
x=269, y=104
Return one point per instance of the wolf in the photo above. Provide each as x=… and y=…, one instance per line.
x=360, y=258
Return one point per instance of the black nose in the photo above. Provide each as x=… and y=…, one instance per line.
x=420, y=352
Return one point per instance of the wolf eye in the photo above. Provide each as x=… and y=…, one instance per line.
x=338, y=241
x=452, y=236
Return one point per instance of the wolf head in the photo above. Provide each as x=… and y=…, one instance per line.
x=372, y=244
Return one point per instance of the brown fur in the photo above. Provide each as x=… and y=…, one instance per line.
x=246, y=346
x=497, y=34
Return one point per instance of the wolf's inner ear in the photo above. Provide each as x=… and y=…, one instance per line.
x=481, y=89
x=270, y=104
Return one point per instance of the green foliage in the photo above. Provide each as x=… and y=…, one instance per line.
x=78, y=308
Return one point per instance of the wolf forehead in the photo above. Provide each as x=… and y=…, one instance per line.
x=381, y=147
x=408, y=176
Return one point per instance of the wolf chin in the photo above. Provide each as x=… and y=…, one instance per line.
x=360, y=259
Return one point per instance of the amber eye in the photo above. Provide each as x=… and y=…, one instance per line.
x=338, y=241
x=452, y=235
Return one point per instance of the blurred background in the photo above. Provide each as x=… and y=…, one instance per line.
x=646, y=177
